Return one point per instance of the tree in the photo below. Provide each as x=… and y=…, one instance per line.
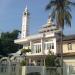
x=52, y=63
x=23, y=52
x=61, y=14
x=1, y=52
x=7, y=44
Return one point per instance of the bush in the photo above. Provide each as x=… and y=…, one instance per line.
x=23, y=63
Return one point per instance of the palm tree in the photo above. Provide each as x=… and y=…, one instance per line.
x=61, y=14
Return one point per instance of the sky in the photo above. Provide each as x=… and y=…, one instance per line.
x=11, y=12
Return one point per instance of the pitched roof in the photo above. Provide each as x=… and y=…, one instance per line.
x=69, y=37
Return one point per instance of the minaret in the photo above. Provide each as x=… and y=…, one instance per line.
x=25, y=23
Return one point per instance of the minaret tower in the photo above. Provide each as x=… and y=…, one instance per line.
x=25, y=23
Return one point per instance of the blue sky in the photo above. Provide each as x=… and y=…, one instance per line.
x=11, y=15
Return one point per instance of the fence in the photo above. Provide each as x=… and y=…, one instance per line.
x=10, y=69
x=40, y=70
x=14, y=68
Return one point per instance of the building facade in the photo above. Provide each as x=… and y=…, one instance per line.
x=40, y=43
x=47, y=39
x=69, y=54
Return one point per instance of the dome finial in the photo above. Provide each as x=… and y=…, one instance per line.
x=26, y=9
x=49, y=18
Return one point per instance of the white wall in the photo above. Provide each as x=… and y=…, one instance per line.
x=69, y=66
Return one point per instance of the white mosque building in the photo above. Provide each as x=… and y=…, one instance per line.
x=47, y=39
x=40, y=43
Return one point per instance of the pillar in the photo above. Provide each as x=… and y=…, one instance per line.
x=31, y=45
x=42, y=46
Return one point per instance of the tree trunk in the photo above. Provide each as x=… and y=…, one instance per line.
x=61, y=48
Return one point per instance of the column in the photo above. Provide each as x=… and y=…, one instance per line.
x=29, y=61
x=55, y=49
x=44, y=61
x=42, y=46
x=31, y=46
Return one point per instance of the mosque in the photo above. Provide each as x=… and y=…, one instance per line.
x=47, y=39
x=40, y=43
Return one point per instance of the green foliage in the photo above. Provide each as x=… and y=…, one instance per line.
x=23, y=63
x=25, y=50
x=52, y=61
x=7, y=44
